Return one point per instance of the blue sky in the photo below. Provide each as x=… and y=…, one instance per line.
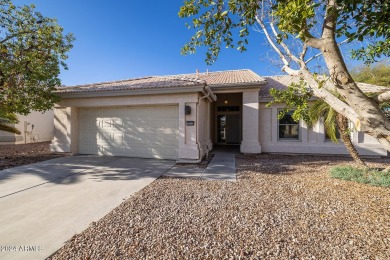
x=127, y=39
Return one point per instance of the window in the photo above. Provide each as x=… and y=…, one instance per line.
x=288, y=128
x=228, y=108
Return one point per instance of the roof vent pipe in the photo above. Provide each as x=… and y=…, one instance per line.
x=197, y=74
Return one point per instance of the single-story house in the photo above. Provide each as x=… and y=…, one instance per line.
x=182, y=117
x=34, y=127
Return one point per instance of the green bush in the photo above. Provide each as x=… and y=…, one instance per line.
x=367, y=176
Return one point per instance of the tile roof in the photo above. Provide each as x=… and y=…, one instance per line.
x=227, y=77
x=230, y=77
x=283, y=81
x=277, y=82
x=132, y=84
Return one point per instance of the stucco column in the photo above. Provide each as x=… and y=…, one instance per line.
x=250, y=122
x=61, y=141
x=188, y=148
x=208, y=123
x=74, y=130
x=65, y=130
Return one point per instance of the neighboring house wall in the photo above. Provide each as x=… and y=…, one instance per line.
x=311, y=141
x=42, y=131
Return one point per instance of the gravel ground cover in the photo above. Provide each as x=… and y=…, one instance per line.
x=282, y=207
x=20, y=154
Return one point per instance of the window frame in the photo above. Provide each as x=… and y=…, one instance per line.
x=298, y=123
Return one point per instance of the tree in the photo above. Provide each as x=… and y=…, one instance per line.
x=295, y=98
x=378, y=74
x=32, y=49
x=297, y=28
x=6, y=119
x=334, y=121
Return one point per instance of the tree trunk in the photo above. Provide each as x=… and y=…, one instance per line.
x=371, y=117
x=342, y=124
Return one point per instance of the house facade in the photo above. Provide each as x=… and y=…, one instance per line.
x=182, y=117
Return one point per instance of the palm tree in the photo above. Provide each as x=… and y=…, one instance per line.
x=334, y=121
x=6, y=119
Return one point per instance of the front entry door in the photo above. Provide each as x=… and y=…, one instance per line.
x=229, y=129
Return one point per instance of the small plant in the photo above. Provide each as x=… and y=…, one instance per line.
x=367, y=176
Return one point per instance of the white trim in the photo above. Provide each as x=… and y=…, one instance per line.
x=300, y=127
x=132, y=92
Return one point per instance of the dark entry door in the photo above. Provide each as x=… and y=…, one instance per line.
x=233, y=129
x=229, y=129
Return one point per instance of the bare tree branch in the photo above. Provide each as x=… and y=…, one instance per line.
x=286, y=63
x=384, y=97
x=303, y=53
x=319, y=54
x=313, y=57
x=286, y=49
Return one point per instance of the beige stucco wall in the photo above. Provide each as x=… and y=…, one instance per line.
x=232, y=99
x=203, y=126
x=66, y=120
x=259, y=125
x=62, y=129
x=312, y=141
x=42, y=131
x=250, y=122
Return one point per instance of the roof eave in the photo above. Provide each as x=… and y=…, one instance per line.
x=269, y=99
x=133, y=92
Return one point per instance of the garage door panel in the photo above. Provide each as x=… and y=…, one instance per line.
x=87, y=111
x=138, y=152
x=150, y=132
x=118, y=137
x=88, y=123
x=85, y=137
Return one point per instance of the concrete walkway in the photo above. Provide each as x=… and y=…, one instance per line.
x=43, y=205
x=222, y=167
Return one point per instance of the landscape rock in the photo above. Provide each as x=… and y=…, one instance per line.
x=12, y=155
x=281, y=207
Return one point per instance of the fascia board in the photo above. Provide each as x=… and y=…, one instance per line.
x=151, y=91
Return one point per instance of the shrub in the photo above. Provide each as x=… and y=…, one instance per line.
x=367, y=176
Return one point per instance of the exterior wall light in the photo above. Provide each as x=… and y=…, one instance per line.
x=187, y=110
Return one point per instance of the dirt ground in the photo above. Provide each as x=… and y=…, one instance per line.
x=22, y=154
x=281, y=207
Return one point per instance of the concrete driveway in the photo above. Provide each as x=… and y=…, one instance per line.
x=43, y=205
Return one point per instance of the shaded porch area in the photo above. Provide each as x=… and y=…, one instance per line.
x=235, y=122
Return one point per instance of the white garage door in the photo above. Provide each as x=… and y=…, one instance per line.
x=147, y=132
